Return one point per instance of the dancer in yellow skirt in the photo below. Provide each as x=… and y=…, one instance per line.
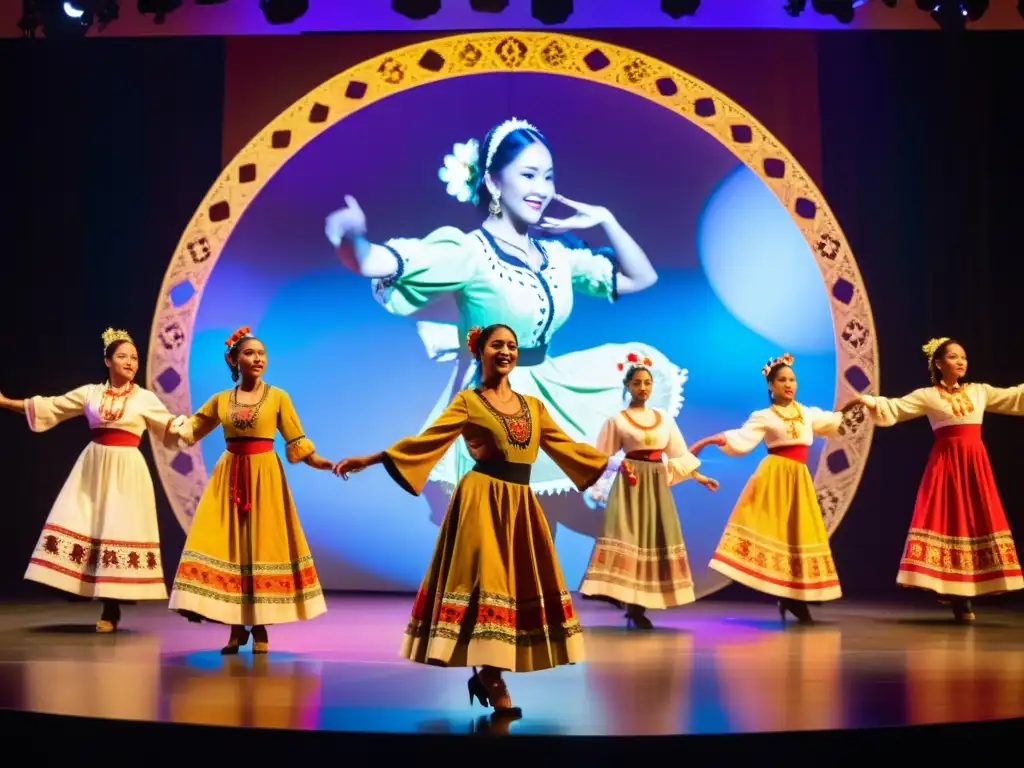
x=246, y=561
x=775, y=540
x=494, y=595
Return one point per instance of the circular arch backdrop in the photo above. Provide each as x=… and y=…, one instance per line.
x=843, y=458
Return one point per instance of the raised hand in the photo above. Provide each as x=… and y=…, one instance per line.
x=585, y=217
x=345, y=222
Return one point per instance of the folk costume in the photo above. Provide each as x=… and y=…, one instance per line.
x=959, y=543
x=101, y=538
x=775, y=540
x=640, y=557
x=494, y=594
x=246, y=561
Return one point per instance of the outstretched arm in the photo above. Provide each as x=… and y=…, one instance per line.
x=888, y=411
x=18, y=406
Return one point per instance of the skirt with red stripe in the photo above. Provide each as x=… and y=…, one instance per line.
x=959, y=541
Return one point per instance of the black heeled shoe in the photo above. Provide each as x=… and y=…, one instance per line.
x=477, y=690
x=799, y=610
x=638, y=620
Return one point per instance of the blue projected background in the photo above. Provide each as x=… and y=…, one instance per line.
x=737, y=284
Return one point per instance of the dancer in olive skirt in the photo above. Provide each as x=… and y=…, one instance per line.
x=640, y=557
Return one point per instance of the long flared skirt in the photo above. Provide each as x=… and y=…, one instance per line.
x=959, y=541
x=101, y=538
x=640, y=557
x=247, y=566
x=775, y=540
x=494, y=594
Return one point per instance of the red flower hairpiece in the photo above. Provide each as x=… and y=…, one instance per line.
x=233, y=339
x=633, y=359
x=473, y=340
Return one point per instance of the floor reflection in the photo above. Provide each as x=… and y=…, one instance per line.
x=705, y=669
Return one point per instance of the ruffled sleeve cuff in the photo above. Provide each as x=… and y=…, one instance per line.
x=299, y=449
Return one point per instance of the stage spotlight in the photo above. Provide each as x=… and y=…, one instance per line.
x=842, y=10
x=488, y=6
x=159, y=8
x=283, y=11
x=795, y=7
x=551, y=11
x=416, y=9
x=679, y=8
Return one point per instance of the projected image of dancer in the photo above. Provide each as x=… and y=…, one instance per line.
x=959, y=545
x=775, y=540
x=520, y=267
x=640, y=558
x=494, y=595
x=101, y=538
x=246, y=562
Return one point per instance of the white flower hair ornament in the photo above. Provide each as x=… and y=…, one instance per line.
x=785, y=359
x=461, y=172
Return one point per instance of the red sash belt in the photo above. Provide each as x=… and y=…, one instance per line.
x=793, y=452
x=969, y=432
x=241, y=472
x=115, y=438
x=645, y=455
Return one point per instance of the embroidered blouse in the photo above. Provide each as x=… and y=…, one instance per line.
x=967, y=405
x=134, y=411
x=619, y=433
x=272, y=414
x=491, y=435
x=775, y=427
x=493, y=286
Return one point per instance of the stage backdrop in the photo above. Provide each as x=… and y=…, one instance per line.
x=751, y=263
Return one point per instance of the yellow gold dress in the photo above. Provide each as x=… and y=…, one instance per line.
x=775, y=540
x=246, y=560
x=494, y=594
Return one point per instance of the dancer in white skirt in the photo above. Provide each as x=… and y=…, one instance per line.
x=101, y=538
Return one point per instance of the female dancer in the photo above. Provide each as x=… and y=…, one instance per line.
x=775, y=540
x=640, y=557
x=494, y=594
x=246, y=561
x=101, y=538
x=503, y=272
x=959, y=544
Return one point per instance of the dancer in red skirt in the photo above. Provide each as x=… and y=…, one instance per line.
x=959, y=544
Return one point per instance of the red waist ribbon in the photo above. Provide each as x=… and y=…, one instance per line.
x=115, y=438
x=241, y=470
x=793, y=452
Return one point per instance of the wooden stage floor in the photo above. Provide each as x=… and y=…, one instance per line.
x=710, y=668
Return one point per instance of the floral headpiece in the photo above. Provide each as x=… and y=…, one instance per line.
x=110, y=336
x=932, y=346
x=633, y=360
x=462, y=171
x=784, y=359
x=237, y=336
x=473, y=340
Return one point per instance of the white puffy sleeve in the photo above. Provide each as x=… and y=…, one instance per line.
x=824, y=423
x=887, y=411
x=1008, y=401
x=739, y=442
x=681, y=463
x=593, y=270
x=45, y=413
